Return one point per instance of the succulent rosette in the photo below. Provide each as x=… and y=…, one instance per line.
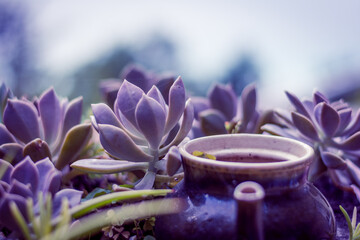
x=333, y=131
x=47, y=127
x=31, y=180
x=222, y=112
x=140, y=130
x=140, y=77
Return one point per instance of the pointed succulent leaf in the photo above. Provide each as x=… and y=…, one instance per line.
x=318, y=97
x=137, y=76
x=11, y=152
x=73, y=196
x=109, y=89
x=327, y=118
x=173, y=162
x=26, y=173
x=49, y=176
x=5, y=171
x=309, y=105
x=147, y=182
x=75, y=141
x=72, y=114
x=332, y=160
x=340, y=105
x=127, y=99
x=21, y=119
x=354, y=125
x=317, y=168
x=277, y=130
x=294, y=100
x=223, y=99
x=345, y=118
x=5, y=210
x=354, y=171
x=118, y=144
x=51, y=115
x=20, y=189
x=304, y=125
x=156, y=94
x=37, y=149
x=177, y=101
x=185, y=126
x=150, y=118
x=248, y=100
x=164, y=84
x=200, y=104
x=104, y=115
x=107, y=166
x=212, y=122
x=5, y=94
x=352, y=143
x=5, y=135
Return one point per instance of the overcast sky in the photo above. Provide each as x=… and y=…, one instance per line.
x=295, y=43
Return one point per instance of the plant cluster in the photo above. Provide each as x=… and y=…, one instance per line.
x=46, y=150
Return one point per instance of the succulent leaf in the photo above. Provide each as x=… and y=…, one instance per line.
x=72, y=114
x=150, y=118
x=51, y=115
x=104, y=115
x=107, y=166
x=75, y=140
x=11, y=152
x=332, y=160
x=21, y=119
x=223, y=99
x=248, y=100
x=5, y=170
x=352, y=143
x=20, y=189
x=164, y=84
x=5, y=135
x=345, y=118
x=73, y=196
x=304, y=125
x=10, y=222
x=294, y=100
x=137, y=76
x=177, y=101
x=173, y=162
x=328, y=119
x=200, y=104
x=26, y=173
x=156, y=94
x=37, y=149
x=117, y=143
x=318, y=97
x=147, y=181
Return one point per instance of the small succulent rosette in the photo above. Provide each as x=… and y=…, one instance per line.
x=47, y=127
x=332, y=129
x=222, y=112
x=140, y=130
x=31, y=180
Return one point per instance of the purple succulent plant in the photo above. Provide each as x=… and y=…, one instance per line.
x=47, y=127
x=143, y=127
x=139, y=77
x=332, y=130
x=30, y=180
x=223, y=113
x=5, y=94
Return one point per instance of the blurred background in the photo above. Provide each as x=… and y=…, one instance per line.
x=282, y=45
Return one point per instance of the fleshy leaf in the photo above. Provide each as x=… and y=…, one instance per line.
x=223, y=99
x=137, y=76
x=173, y=162
x=73, y=196
x=345, y=118
x=72, y=114
x=319, y=98
x=332, y=160
x=304, y=125
x=297, y=104
x=150, y=118
x=354, y=126
x=176, y=104
x=51, y=115
x=104, y=115
x=76, y=139
x=107, y=166
x=156, y=94
x=352, y=143
x=164, y=84
x=328, y=119
x=127, y=99
x=21, y=119
x=5, y=135
x=26, y=173
x=20, y=189
x=248, y=100
x=11, y=152
x=50, y=177
x=37, y=149
x=118, y=144
x=147, y=182
x=212, y=122
x=5, y=170
x=10, y=221
x=200, y=104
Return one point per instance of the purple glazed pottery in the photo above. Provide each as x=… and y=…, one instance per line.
x=292, y=208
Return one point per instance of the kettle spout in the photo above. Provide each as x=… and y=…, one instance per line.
x=249, y=200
